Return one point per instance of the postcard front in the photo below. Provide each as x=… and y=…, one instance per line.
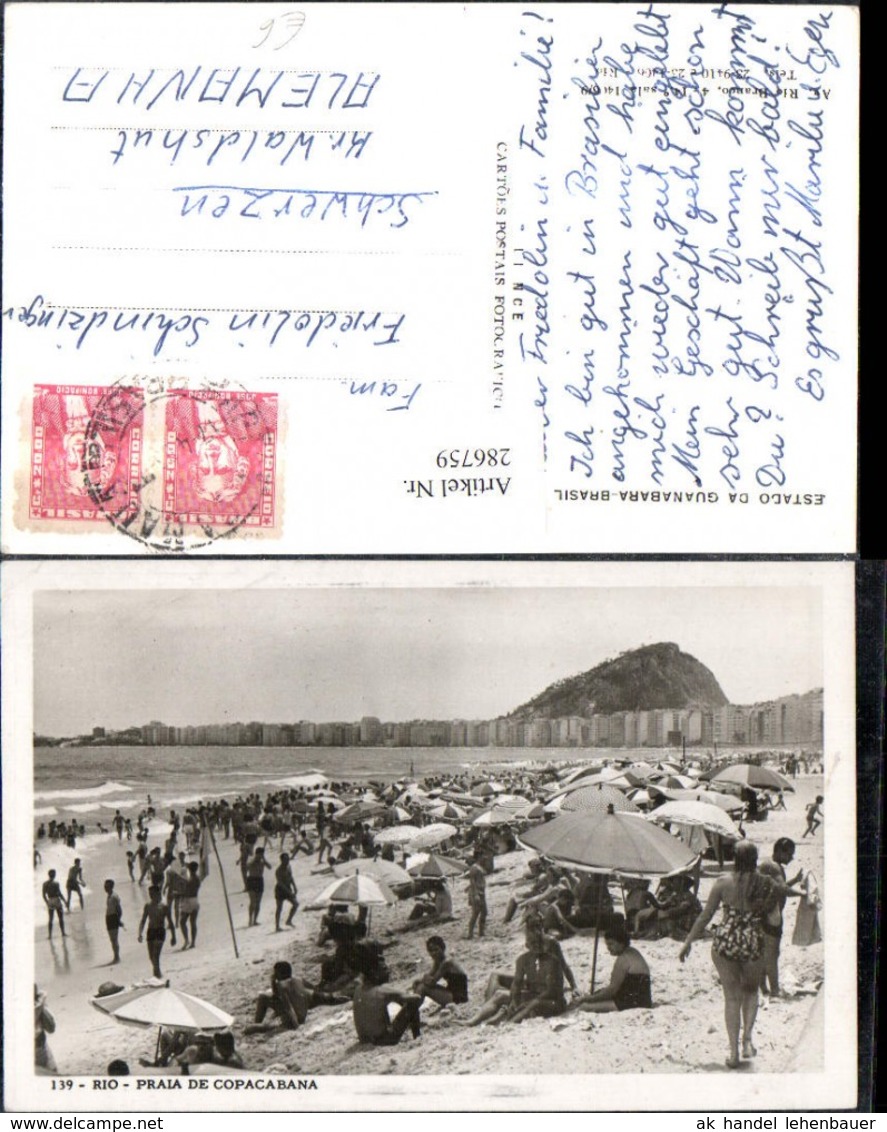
x=204, y=763
x=491, y=278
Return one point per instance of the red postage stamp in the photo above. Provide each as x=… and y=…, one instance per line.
x=86, y=452
x=220, y=458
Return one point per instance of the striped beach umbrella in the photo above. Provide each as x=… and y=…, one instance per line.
x=596, y=800
x=358, y=888
x=435, y=865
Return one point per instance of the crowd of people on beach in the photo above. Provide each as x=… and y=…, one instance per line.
x=550, y=903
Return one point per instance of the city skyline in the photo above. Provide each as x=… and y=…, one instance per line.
x=116, y=659
x=791, y=720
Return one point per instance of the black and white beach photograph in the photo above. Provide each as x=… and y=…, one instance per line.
x=555, y=831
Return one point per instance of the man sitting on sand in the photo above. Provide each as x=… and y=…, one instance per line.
x=342, y=926
x=545, y=887
x=290, y=998
x=436, y=909
x=443, y=970
x=370, y=1011
x=286, y=997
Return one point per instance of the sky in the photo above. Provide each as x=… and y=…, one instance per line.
x=125, y=657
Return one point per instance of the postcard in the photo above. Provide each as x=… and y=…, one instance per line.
x=429, y=279
x=319, y=835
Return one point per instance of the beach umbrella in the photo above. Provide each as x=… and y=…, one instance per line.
x=431, y=835
x=360, y=811
x=580, y=771
x=596, y=799
x=517, y=803
x=435, y=865
x=448, y=810
x=154, y=1005
x=554, y=806
x=412, y=794
x=495, y=815
x=676, y=781
x=758, y=777
x=396, y=835
x=162, y=1006
x=686, y=812
x=425, y=802
x=625, y=782
x=357, y=888
x=388, y=872
x=483, y=789
x=728, y=802
x=613, y=843
x=399, y=813
x=603, y=778
x=325, y=798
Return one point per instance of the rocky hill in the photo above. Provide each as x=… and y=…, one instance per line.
x=655, y=676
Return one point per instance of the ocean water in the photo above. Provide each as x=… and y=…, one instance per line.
x=97, y=780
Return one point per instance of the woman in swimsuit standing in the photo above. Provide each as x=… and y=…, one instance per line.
x=629, y=984
x=738, y=948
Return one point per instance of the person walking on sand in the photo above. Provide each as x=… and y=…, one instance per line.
x=814, y=814
x=477, y=900
x=73, y=883
x=255, y=884
x=738, y=948
x=189, y=905
x=156, y=915
x=142, y=855
x=54, y=901
x=284, y=892
x=113, y=918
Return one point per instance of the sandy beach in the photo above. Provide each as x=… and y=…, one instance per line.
x=683, y=1033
